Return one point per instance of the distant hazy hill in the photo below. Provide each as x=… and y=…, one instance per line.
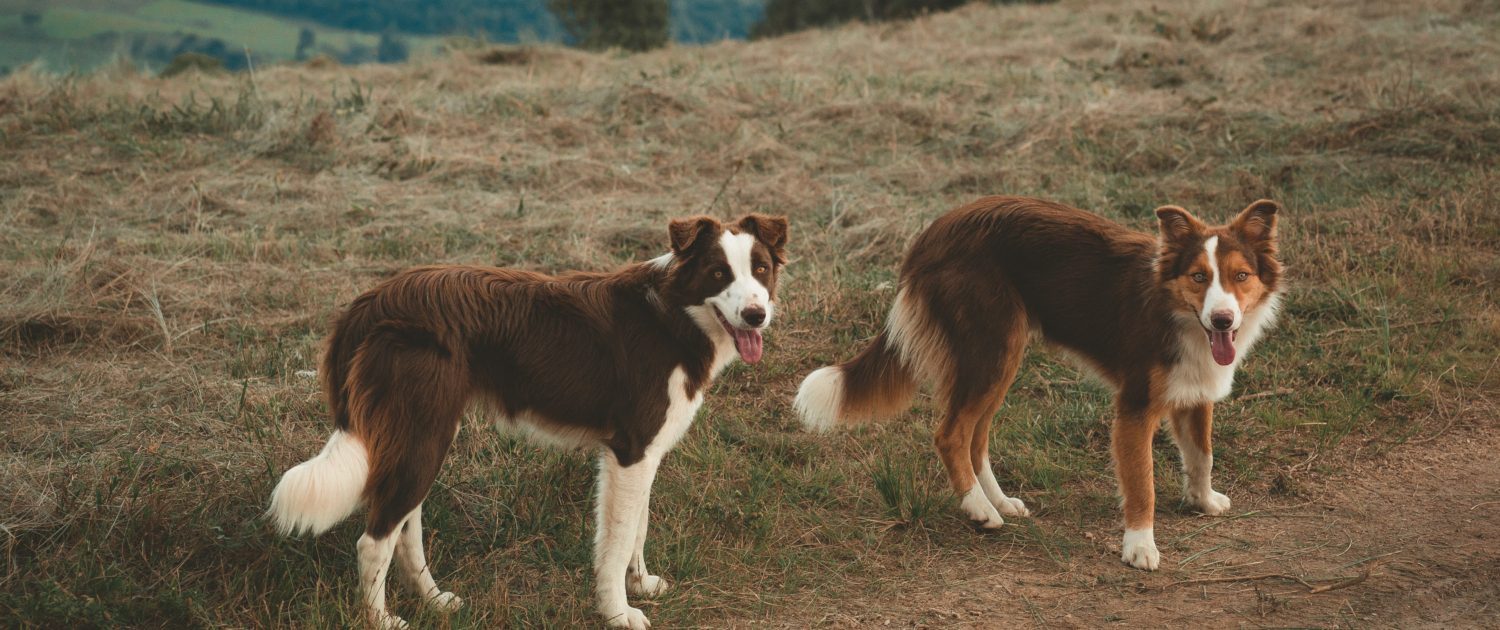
x=500, y=20
x=82, y=34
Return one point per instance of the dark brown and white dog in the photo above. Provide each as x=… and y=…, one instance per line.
x=1163, y=319
x=616, y=360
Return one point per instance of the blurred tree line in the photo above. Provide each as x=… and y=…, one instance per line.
x=501, y=20
x=594, y=24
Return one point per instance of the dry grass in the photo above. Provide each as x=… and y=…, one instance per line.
x=173, y=249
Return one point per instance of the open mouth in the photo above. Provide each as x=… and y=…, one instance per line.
x=1221, y=343
x=747, y=342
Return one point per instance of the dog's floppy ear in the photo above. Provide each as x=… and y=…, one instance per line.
x=685, y=232
x=1177, y=224
x=1256, y=224
x=770, y=230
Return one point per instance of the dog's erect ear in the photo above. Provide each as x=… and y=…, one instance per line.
x=770, y=230
x=1177, y=224
x=686, y=232
x=1256, y=224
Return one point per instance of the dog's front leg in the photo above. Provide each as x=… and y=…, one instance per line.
x=638, y=580
x=624, y=490
x=1134, y=427
x=1192, y=428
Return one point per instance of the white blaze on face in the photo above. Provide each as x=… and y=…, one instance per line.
x=1217, y=298
x=1219, y=301
x=745, y=291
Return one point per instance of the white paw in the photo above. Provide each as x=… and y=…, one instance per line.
x=979, y=509
x=385, y=621
x=1139, y=549
x=1011, y=506
x=648, y=586
x=1213, y=504
x=631, y=618
x=446, y=602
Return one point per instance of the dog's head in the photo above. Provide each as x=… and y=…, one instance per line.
x=1216, y=275
x=728, y=273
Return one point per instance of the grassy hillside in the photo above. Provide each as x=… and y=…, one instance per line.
x=173, y=251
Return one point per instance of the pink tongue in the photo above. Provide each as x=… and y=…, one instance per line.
x=748, y=342
x=1222, y=344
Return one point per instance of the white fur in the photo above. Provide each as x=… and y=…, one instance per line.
x=1008, y=506
x=744, y=290
x=1197, y=477
x=1139, y=549
x=724, y=349
x=537, y=430
x=820, y=398
x=917, y=340
x=316, y=494
x=1217, y=298
x=978, y=508
x=1208, y=501
x=412, y=558
x=624, y=495
x=405, y=544
x=1196, y=378
x=374, y=561
x=661, y=262
x=638, y=579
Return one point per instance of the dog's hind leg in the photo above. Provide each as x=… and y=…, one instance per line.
x=979, y=451
x=1192, y=429
x=407, y=392
x=953, y=438
x=986, y=336
x=374, y=561
x=413, y=560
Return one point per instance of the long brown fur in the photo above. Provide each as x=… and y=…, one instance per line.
x=581, y=353
x=980, y=280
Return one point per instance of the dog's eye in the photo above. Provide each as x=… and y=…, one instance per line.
x=760, y=269
x=1241, y=276
x=1200, y=277
x=718, y=275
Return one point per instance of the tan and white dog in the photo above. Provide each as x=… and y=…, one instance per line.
x=1165, y=319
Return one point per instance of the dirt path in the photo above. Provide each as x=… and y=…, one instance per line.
x=1410, y=541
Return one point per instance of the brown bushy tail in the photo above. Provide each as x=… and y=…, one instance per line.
x=873, y=385
x=882, y=379
x=319, y=493
x=349, y=332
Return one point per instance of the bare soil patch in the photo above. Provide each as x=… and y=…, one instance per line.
x=1406, y=541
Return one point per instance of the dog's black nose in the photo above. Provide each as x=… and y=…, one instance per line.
x=754, y=315
x=1221, y=320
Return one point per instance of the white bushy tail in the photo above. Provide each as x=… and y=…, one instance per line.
x=820, y=400
x=316, y=494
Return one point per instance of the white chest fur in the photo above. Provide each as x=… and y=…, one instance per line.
x=680, y=413
x=1196, y=378
x=724, y=350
